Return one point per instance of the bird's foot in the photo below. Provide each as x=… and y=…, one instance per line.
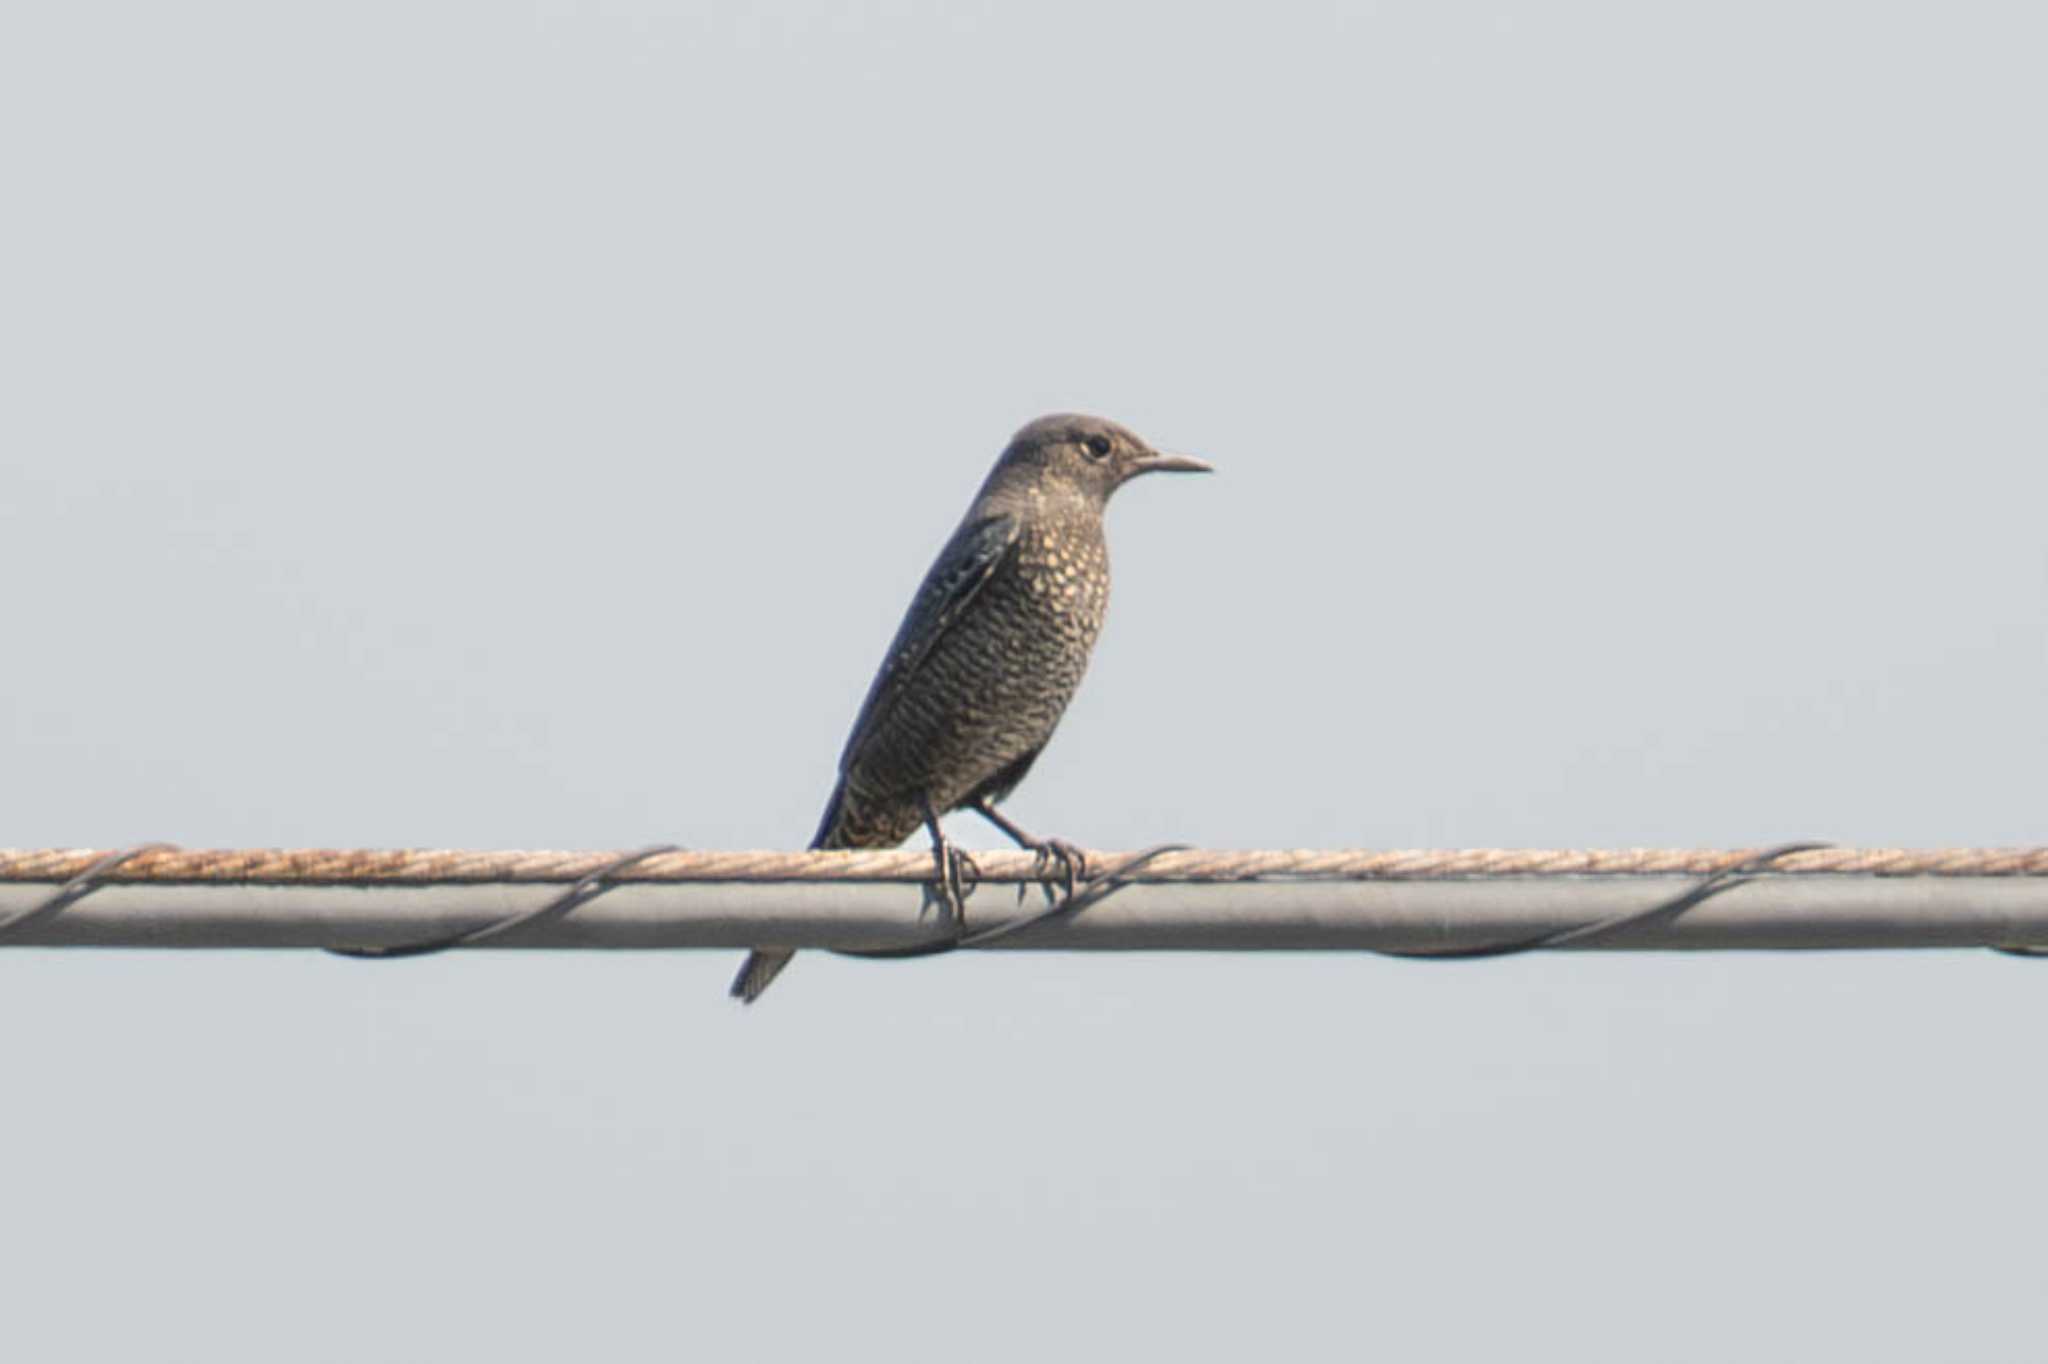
x=1048, y=853
x=958, y=874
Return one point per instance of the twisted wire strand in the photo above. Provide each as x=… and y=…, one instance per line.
x=78, y=885
x=585, y=889
x=162, y=864
x=1708, y=886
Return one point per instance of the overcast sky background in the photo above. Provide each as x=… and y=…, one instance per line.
x=522, y=426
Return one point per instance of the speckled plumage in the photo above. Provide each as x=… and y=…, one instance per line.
x=992, y=647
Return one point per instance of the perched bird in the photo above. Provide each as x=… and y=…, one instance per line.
x=988, y=655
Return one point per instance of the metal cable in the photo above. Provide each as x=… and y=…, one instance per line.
x=587, y=888
x=164, y=864
x=80, y=885
x=1709, y=886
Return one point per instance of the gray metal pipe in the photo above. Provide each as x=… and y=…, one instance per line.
x=1802, y=911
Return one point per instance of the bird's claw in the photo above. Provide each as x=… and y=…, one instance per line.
x=957, y=876
x=1068, y=857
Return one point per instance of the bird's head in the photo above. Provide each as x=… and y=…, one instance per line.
x=1088, y=453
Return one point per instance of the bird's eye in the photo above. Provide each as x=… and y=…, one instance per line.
x=1098, y=447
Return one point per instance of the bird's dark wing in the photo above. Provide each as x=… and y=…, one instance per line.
x=963, y=566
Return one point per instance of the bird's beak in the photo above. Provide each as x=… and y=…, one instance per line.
x=1156, y=463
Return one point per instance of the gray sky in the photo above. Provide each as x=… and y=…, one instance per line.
x=501, y=426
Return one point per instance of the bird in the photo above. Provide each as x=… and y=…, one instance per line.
x=988, y=655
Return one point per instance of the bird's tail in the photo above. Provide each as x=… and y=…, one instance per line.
x=764, y=964
x=758, y=971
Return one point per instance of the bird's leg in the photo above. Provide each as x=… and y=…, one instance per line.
x=1073, y=863
x=954, y=866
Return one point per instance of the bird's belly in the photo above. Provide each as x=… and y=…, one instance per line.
x=990, y=692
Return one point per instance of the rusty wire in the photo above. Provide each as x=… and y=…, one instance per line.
x=329, y=866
